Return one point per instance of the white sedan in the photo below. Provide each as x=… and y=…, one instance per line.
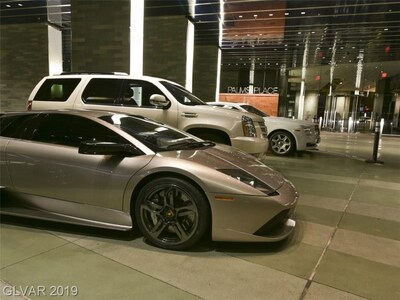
x=285, y=135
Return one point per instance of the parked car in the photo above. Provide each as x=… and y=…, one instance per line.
x=113, y=170
x=155, y=98
x=285, y=135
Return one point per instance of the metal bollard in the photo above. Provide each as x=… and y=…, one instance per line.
x=377, y=137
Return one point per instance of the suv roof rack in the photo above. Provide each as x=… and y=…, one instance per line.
x=94, y=73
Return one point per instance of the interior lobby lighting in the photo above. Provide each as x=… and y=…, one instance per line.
x=8, y=5
x=271, y=15
x=19, y=4
x=386, y=29
x=303, y=12
x=286, y=13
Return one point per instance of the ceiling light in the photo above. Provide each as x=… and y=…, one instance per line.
x=255, y=16
x=303, y=12
x=386, y=29
x=286, y=14
x=240, y=16
x=299, y=32
x=19, y=4
x=271, y=15
x=8, y=5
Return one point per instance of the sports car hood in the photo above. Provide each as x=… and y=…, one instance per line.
x=293, y=122
x=219, y=112
x=226, y=157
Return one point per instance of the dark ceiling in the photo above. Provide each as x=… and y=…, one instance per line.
x=274, y=33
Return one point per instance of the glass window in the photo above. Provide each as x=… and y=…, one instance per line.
x=157, y=136
x=18, y=126
x=71, y=130
x=56, y=89
x=181, y=95
x=102, y=91
x=252, y=109
x=138, y=93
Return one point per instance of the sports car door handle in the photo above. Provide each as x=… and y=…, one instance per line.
x=189, y=115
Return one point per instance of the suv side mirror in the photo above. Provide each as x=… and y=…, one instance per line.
x=159, y=100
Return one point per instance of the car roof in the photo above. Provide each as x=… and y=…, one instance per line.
x=106, y=75
x=81, y=112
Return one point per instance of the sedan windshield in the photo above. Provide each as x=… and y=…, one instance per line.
x=253, y=110
x=181, y=95
x=156, y=136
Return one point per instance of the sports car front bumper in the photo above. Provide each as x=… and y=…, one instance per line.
x=246, y=218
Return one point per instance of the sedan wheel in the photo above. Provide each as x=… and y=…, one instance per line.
x=172, y=213
x=281, y=143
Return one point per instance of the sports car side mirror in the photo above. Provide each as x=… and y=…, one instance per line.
x=108, y=148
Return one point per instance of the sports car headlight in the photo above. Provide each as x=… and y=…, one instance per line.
x=248, y=127
x=250, y=180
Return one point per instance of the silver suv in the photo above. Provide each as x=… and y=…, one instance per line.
x=155, y=98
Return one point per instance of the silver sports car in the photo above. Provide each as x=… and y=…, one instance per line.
x=117, y=171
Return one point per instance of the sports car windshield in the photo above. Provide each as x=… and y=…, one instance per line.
x=156, y=136
x=181, y=95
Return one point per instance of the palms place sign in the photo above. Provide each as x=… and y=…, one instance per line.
x=257, y=90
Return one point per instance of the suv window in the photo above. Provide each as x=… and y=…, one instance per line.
x=102, y=91
x=138, y=93
x=70, y=130
x=56, y=89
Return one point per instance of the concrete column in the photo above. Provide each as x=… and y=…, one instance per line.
x=165, y=44
x=54, y=37
x=100, y=36
x=23, y=60
x=300, y=111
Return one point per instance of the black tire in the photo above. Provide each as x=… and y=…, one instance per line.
x=282, y=143
x=172, y=213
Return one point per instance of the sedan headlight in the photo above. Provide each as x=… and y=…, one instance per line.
x=306, y=129
x=250, y=180
x=248, y=127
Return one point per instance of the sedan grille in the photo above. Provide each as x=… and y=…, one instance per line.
x=264, y=130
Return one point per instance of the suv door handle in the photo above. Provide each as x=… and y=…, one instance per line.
x=189, y=115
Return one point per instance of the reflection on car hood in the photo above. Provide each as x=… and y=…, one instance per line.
x=226, y=157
